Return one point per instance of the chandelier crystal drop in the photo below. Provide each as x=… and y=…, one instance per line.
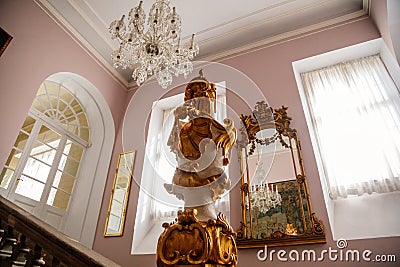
x=264, y=197
x=155, y=50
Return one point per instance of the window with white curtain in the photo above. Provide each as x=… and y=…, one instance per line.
x=355, y=114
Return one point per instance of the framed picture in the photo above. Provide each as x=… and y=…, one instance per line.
x=5, y=39
x=120, y=194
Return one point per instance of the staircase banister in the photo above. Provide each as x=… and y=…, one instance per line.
x=50, y=239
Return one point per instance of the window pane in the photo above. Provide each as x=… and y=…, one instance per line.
x=61, y=106
x=5, y=177
x=368, y=109
x=13, y=159
x=30, y=188
x=73, y=128
x=36, y=169
x=50, y=88
x=48, y=136
x=84, y=134
x=52, y=100
x=38, y=105
x=76, y=106
x=64, y=181
x=58, y=199
x=73, y=150
x=21, y=140
x=68, y=165
x=28, y=124
x=43, y=153
x=83, y=120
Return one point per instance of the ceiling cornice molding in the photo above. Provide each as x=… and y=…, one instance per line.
x=90, y=22
x=259, y=11
x=95, y=13
x=218, y=56
x=81, y=41
x=261, y=22
x=287, y=36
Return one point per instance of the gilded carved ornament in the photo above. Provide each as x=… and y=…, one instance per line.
x=201, y=145
x=312, y=229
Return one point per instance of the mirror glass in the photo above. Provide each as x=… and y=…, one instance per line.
x=276, y=209
x=272, y=163
x=120, y=193
x=273, y=166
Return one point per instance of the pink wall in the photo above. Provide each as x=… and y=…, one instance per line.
x=270, y=68
x=379, y=14
x=40, y=48
x=385, y=14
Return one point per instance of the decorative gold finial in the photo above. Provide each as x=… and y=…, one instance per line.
x=201, y=78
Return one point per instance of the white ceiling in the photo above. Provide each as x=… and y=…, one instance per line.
x=222, y=27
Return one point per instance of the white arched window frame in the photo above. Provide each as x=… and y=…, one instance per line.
x=84, y=208
x=43, y=165
x=151, y=213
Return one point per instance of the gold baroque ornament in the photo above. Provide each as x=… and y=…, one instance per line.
x=189, y=241
x=297, y=224
x=198, y=236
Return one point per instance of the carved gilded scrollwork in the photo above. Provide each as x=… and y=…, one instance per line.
x=317, y=225
x=282, y=122
x=189, y=241
x=293, y=222
x=300, y=179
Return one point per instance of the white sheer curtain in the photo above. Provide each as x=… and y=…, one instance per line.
x=355, y=110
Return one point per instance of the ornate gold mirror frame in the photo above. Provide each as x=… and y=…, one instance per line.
x=290, y=220
x=119, y=195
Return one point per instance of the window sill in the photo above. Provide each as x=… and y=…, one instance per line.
x=366, y=216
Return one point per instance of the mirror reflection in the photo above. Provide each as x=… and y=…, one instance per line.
x=270, y=163
x=273, y=190
x=276, y=209
x=119, y=196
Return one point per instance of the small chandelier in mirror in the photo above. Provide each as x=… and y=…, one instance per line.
x=155, y=51
x=264, y=197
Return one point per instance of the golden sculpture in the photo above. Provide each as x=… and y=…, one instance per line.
x=199, y=237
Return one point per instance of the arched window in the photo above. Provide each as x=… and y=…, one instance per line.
x=43, y=166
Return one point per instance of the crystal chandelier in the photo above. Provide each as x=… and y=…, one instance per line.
x=264, y=197
x=156, y=50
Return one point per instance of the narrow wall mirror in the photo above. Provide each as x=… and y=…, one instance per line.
x=120, y=194
x=276, y=206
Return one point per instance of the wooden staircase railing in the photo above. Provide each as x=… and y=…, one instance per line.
x=27, y=241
